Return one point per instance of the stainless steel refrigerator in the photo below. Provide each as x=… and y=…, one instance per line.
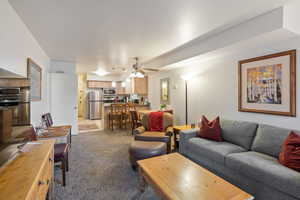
x=95, y=104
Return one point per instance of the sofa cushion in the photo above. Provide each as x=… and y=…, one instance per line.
x=265, y=169
x=209, y=149
x=290, y=154
x=210, y=129
x=269, y=139
x=238, y=132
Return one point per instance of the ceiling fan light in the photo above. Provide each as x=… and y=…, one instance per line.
x=136, y=75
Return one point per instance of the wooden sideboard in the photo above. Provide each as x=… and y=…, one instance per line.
x=30, y=175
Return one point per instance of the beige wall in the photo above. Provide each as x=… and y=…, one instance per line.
x=214, y=89
x=17, y=44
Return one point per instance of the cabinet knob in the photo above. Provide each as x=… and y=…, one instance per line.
x=42, y=183
x=50, y=160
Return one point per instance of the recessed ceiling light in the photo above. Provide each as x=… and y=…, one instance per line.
x=101, y=72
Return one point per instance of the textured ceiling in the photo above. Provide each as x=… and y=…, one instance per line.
x=101, y=33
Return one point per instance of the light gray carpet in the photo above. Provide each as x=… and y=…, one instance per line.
x=100, y=169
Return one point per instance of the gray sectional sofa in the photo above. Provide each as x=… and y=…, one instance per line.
x=248, y=158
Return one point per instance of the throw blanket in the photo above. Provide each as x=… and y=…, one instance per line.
x=156, y=121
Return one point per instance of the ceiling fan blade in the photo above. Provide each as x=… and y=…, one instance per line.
x=142, y=71
x=151, y=69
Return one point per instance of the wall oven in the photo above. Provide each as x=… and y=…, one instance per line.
x=18, y=100
x=9, y=96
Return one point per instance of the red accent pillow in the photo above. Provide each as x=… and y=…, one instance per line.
x=156, y=121
x=290, y=153
x=211, y=129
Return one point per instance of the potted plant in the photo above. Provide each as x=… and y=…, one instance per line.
x=163, y=106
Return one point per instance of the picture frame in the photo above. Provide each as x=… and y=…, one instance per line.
x=267, y=84
x=34, y=74
x=165, y=91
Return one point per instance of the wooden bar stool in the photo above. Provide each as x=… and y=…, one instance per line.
x=115, y=115
x=135, y=122
x=125, y=116
x=127, y=119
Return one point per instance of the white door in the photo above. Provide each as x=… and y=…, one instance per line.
x=64, y=99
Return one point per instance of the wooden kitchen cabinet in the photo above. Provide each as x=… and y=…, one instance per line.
x=128, y=87
x=119, y=89
x=139, y=85
x=14, y=82
x=99, y=84
x=136, y=86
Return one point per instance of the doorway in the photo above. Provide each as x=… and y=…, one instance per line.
x=85, y=125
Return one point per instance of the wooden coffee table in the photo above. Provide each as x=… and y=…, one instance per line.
x=174, y=177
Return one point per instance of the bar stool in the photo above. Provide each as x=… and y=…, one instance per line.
x=115, y=115
x=127, y=113
x=135, y=122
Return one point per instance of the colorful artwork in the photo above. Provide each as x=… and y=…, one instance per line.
x=267, y=84
x=264, y=84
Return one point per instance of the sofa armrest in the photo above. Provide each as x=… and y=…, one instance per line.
x=169, y=131
x=184, y=137
x=139, y=130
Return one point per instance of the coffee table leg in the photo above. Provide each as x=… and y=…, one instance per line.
x=142, y=181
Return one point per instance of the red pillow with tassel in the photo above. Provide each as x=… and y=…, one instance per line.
x=290, y=154
x=210, y=129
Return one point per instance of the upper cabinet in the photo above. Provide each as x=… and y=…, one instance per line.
x=119, y=88
x=139, y=86
x=136, y=86
x=99, y=84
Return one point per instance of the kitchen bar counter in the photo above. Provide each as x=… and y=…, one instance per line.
x=107, y=109
x=136, y=105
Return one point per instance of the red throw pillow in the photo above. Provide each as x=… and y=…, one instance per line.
x=156, y=121
x=290, y=153
x=211, y=129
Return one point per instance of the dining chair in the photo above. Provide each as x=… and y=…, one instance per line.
x=48, y=121
x=61, y=155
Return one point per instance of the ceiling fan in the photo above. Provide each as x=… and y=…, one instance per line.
x=140, y=71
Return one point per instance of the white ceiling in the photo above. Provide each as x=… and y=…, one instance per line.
x=108, y=33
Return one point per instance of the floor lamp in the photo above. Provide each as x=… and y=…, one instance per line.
x=186, y=78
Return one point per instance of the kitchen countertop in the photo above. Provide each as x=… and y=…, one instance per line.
x=137, y=105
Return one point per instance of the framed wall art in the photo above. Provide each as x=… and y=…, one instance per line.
x=267, y=84
x=165, y=91
x=34, y=74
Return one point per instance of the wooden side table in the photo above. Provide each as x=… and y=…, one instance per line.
x=177, y=130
